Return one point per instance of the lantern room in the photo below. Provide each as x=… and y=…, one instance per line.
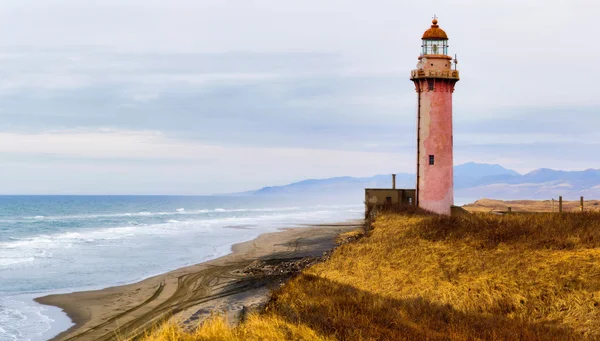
x=435, y=40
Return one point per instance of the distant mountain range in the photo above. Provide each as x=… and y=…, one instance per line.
x=471, y=180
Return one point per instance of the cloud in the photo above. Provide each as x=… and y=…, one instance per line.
x=108, y=151
x=309, y=88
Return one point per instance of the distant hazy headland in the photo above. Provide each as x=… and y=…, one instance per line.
x=472, y=181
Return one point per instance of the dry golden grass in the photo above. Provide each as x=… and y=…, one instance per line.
x=418, y=277
x=256, y=328
x=348, y=236
x=490, y=205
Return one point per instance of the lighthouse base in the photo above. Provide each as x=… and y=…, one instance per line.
x=443, y=206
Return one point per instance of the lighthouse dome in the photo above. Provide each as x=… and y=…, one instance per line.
x=435, y=32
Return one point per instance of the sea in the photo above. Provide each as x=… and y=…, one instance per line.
x=61, y=244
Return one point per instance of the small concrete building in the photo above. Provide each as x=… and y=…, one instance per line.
x=383, y=197
x=376, y=198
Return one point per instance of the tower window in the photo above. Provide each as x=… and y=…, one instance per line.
x=430, y=84
x=431, y=160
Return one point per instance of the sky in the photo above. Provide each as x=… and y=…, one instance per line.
x=203, y=96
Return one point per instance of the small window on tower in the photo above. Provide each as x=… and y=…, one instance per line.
x=431, y=160
x=430, y=84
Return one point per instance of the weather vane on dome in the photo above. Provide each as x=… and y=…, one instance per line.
x=434, y=17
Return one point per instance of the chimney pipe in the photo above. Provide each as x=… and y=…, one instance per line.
x=393, y=181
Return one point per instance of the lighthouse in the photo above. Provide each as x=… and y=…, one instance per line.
x=434, y=81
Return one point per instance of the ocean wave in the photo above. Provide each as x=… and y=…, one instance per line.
x=16, y=317
x=13, y=261
x=25, y=251
x=179, y=211
x=28, y=249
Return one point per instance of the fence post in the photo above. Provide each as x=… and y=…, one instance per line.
x=581, y=203
x=509, y=209
x=560, y=204
x=552, y=205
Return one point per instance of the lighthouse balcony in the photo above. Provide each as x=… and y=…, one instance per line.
x=444, y=74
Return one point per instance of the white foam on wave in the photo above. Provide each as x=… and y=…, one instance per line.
x=21, y=320
x=12, y=261
x=49, y=241
x=25, y=251
x=179, y=211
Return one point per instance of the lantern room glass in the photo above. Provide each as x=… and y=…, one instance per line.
x=435, y=46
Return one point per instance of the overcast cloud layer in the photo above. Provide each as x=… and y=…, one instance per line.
x=198, y=97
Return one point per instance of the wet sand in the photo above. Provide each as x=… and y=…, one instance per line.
x=191, y=294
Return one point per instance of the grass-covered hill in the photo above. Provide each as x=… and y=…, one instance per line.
x=419, y=277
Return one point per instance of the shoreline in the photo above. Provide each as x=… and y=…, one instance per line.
x=189, y=294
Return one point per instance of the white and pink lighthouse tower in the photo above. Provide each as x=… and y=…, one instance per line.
x=434, y=81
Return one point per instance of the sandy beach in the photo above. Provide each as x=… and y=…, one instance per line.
x=191, y=294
